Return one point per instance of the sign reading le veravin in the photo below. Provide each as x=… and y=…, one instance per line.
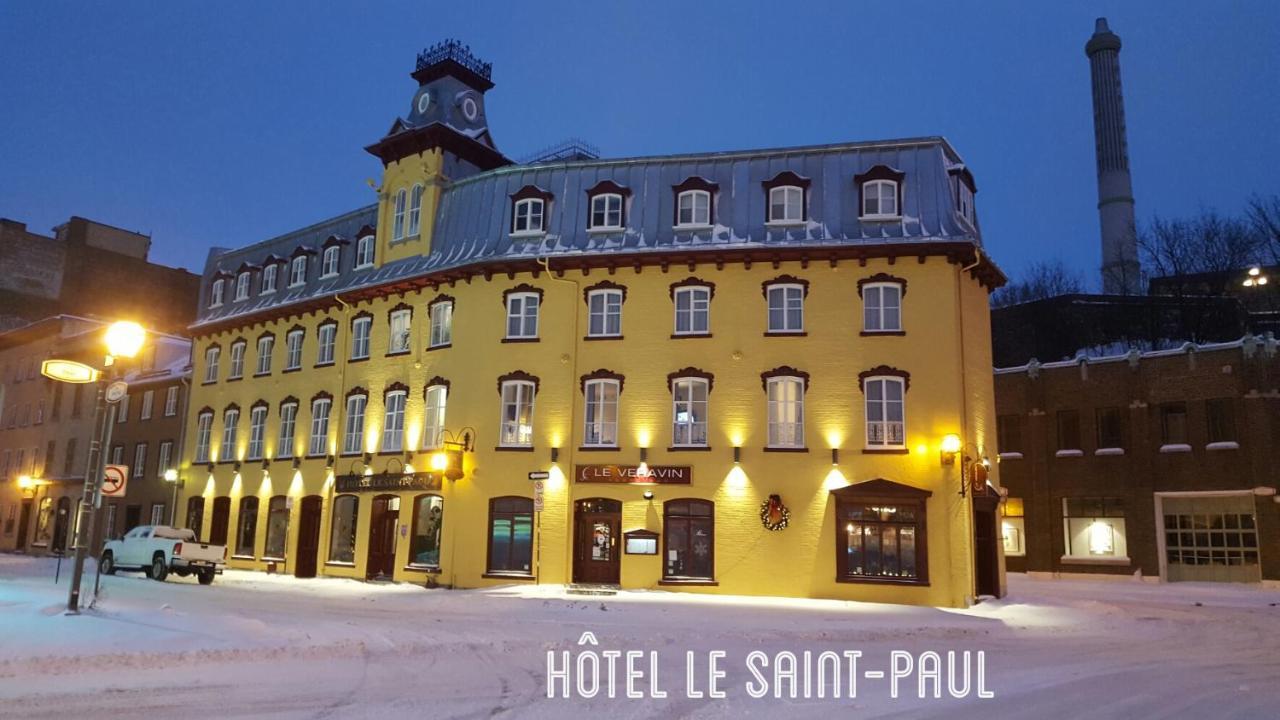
x=631, y=474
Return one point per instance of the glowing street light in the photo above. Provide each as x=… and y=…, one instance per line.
x=125, y=338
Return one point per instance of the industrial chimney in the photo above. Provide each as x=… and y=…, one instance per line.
x=1120, y=269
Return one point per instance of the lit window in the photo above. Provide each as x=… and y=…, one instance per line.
x=298, y=271
x=326, y=335
x=1013, y=528
x=277, y=527
x=522, y=315
x=693, y=310
x=329, y=261
x=424, y=542
x=689, y=536
x=882, y=307
x=442, y=323
x=398, y=224
x=236, y=371
x=230, y=421
x=257, y=430
x=319, y=426
x=288, y=422
x=401, y=333
x=342, y=534
x=528, y=219
x=604, y=313
x=606, y=212
x=364, y=252
x=786, y=412
x=204, y=429
x=881, y=534
x=360, y=328
x=693, y=208
x=268, y=279
x=247, y=532
x=510, y=536
x=689, y=412
x=601, y=416
x=884, y=412
x=786, y=204
x=786, y=308
x=293, y=349
x=393, y=421
x=266, y=345
x=139, y=460
x=211, y=357
x=242, y=286
x=517, y=413
x=215, y=293
x=353, y=438
x=415, y=210
x=165, y=457
x=880, y=199
x=433, y=423
x=1094, y=528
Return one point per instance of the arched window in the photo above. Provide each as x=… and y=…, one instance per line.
x=689, y=535
x=397, y=226
x=242, y=285
x=529, y=215
x=195, y=514
x=329, y=262
x=785, y=398
x=882, y=305
x=247, y=526
x=437, y=397
x=511, y=536
x=221, y=519
x=606, y=212
x=415, y=211
x=364, y=252
x=879, y=199
x=424, y=542
x=268, y=282
x=277, y=528
x=884, y=390
x=298, y=271
x=216, y=292
x=786, y=204
x=693, y=208
x=342, y=532
x=204, y=428
x=689, y=393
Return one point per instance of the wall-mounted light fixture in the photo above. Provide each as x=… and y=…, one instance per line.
x=265, y=463
x=236, y=466
x=555, y=454
x=297, y=463
x=737, y=454
x=835, y=456
x=367, y=457
x=648, y=495
x=950, y=448
x=447, y=460
x=328, y=462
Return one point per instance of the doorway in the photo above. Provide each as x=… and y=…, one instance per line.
x=596, y=555
x=220, y=520
x=383, y=524
x=308, y=537
x=986, y=556
x=60, y=524
x=195, y=515
x=24, y=523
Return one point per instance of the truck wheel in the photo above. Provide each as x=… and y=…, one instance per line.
x=159, y=568
x=107, y=564
x=205, y=577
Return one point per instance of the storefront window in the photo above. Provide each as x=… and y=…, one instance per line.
x=1094, y=528
x=428, y=516
x=690, y=540
x=511, y=535
x=195, y=515
x=247, y=529
x=1012, y=528
x=342, y=536
x=277, y=527
x=881, y=534
x=44, y=522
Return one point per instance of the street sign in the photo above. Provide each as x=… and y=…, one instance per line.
x=68, y=371
x=539, y=475
x=538, y=487
x=117, y=390
x=115, y=478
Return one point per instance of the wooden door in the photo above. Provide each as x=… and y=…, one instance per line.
x=24, y=523
x=308, y=537
x=382, y=537
x=986, y=558
x=221, y=518
x=597, y=541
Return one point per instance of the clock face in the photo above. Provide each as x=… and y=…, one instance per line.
x=424, y=102
x=470, y=109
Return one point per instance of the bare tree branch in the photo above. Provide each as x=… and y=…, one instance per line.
x=1042, y=280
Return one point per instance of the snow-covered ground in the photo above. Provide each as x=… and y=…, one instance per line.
x=254, y=645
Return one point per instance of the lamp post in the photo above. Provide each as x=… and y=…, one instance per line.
x=171, y=477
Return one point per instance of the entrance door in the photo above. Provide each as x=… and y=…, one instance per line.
x=382, y=537
x=986, y=558
x=221, y=518
x=308, y=537
x=60, y=524
x=24, y=523
x=597, y=546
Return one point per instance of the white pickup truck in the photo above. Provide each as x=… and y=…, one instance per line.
x=158, y=550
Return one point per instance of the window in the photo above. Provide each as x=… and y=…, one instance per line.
x=364, y=252
x=171, y=401
x=786, y=204
x=601, y=417
x=433, y=423
x=204, y=428
x=397, y=232
x=257, y=429
x=401, y=334
x=1173, y=424
x=1094, y=528
x=964, y=200
x=689, y=411
x=109, y=532
x=298, y=271
x=510, y=536
x=361, y=327
x=424, y=543
x=288, y=421
x=248, y=526
x=236, y=371
x=242, y=286
x=415, y=210
x=393, y=421
x=211, y=357
x=319, y=426
x=266, y=345
x=230, y=419
x=786, y=307
x=689, y=528
x=606, y=212
x=693, y=208
x=1013, y=529
x=786, y=411
x=148, y=402
x=139, y=460
x=517, y=413
x=195, y=515
x=1009, y=435
x=55, y=411
x=522, y=315
x=342, y=535
x=122, y=410
x=882, y=307
x=886, y=427
x=1110, y=422
x=881, y=533
x=327, y=335
x=880, y=199
x=117, y=455
x=277, y=527
x=693, y=310
x=293, y=349
x=1221, y=420
x=353, y=437
x=1068, y=431
x=69, y=459
x=268, y=282
x=157, y=513
x=43, y=517
x=166, y=458
x=442, y=323
x=528, y=218
x=329, y=261
x=216, y=293
x=604, y=313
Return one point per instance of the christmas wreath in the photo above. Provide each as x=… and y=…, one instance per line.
x=773, y=514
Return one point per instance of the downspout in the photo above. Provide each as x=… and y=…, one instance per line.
x=182, y=442
x=964, y=418
x=573, y=412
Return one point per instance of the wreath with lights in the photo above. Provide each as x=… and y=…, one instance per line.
x=773, y=514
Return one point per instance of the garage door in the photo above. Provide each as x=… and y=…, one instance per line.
x=1211, y=539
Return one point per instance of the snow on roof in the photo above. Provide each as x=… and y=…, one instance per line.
x=1268, y=340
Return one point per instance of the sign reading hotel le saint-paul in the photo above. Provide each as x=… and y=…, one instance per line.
x=390, y=482
x=631, y=475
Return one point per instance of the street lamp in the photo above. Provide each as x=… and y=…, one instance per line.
x=125, y=339
x=1255, y=278
x=171, y=476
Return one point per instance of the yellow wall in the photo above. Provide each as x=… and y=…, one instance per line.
x=423, y=168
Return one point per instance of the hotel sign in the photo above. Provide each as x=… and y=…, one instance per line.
x=631, y=475
x=387, y=482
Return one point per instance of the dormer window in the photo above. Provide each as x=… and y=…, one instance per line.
x=216, y=292
x=415, y=211
x=788, y=194
x=329, y=261
x=962, y=183
x=242, y=285
x=694, y=199
x=607, y=206
x=364, y=252
x=528, y=217
x=397, y=227
x=298, y=271
x=880, y=193
x=268, y=279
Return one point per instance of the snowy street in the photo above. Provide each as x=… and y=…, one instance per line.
x=254, y=645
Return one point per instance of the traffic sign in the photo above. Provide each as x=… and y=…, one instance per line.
x=538, y=487
x=539, y=475
x=117, y=390
x=115, y=478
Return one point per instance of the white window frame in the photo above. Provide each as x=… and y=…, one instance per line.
x=884, y=424
x=325, y=345
x=415, y=211
x=266, y=347
x=329, y=261
x=242, y=285
x=600, y=412
x=204, y=433
x=361, y=337
x=784, y=297
x=236, y=369
x=398, y=222
x=783, y=432
x=288, y=429
x=216, y=293
x=353, y=434
x=788, y=193
x=148, y=402
x=267, y=284
x=139, y=467
x=211, y=358
x=365, y=252
x=165, y=458
x=694, y=221
x=604, y=305
x=879, y=186
x=437, y=397
x=293, y=350
x=157, y=513
x=441, y=324
x=605, y=199
x=230, y=426
x=693, y=292
x=518, y=311
x=400, y=335
x=876, y=309
x=319, y=438
x=517, y=395
x=526, y=211
x=298, y=271
x=257, y=432
x=171, y=401
x=686, y=429
x=393, y=410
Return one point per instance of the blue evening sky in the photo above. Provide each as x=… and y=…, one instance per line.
x=226, y=123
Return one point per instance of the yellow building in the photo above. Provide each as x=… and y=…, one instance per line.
x=761, y=372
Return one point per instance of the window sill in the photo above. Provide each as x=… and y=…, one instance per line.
x=1108, y=452
x=339, y=563
x=527, y=234
x=266, y=558
x=1175, y=448
x=398, y=353
x=604, y=230
x=235, y=378
x=324, y=364
x=244, y=557
x=429, y=569
x=282, y=458
x=888, y=333
x=598, y=448
x=1010, y=456
x=520, y=339
x=507, y=576
x=1077, y=560
x=689, y=448
x=785, y=449
x=880, y=581
x=445, y=346
x=294, y=286
x=602, y=337
x=289, y=370
x=266, y=292
x=363, y=267
x=330, y=276
x=1015, y=554
x=691, y=227
x=1223, y=445
x=683, y=336
x=785, y=224
x=513, y=448
x=255, y=375
x=886, y=451
x=1069, y=453
x=357, y=359
x=880, y=218
x=692, y=582
x=785, y=333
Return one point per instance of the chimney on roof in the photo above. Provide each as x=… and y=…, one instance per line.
x=1120, y=269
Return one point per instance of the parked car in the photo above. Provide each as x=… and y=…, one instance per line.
x=158, y=550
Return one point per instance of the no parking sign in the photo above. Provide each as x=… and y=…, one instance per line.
x=115, y=478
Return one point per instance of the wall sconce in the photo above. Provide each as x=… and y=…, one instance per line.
x=835, y=456
x=555, y=455
x=297, y=463
x=210, y=467
x=648, y=495
x=265, y=463
x=236, y=466
x=408, y=457
x=448, y=460
x=328, y=462
x=950, y=448
x=643, y=469
x=737, y=454
x=367, y=458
